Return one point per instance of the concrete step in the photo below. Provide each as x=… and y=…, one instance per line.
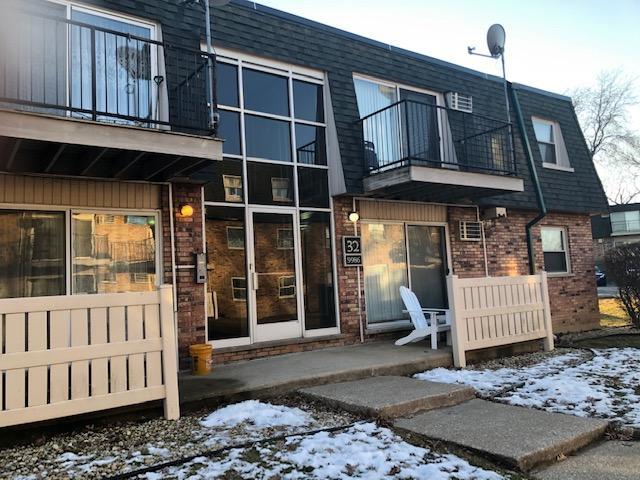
x=519, y=437
x=390, y=396
x=614, y=460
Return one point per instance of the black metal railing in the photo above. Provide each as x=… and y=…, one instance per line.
x=50, y=64
x=414, y=133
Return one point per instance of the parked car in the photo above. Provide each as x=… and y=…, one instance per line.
x=601, y=278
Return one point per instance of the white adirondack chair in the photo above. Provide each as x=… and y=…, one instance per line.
x=423, y=327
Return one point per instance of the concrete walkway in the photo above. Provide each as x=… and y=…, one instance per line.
x=612, y=460
x=521, y=438
x=284, y=373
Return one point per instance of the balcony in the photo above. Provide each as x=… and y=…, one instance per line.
x=419, y=151
x=100, y=98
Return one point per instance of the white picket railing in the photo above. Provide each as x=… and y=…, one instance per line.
x=493, y=311
x=63, y=356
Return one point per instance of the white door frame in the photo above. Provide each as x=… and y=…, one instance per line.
x=280, y=330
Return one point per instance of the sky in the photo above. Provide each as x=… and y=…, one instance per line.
x=554, y=45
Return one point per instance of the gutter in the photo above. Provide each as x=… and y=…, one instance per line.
x=534, y=178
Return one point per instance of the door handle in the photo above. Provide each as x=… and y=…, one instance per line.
x=254, y=280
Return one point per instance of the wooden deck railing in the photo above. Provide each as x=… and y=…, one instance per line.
x=493, y=311
x=77, y=354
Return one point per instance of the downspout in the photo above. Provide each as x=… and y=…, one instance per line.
x=534, y=178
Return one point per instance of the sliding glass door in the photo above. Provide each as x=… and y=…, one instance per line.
x=399, y=254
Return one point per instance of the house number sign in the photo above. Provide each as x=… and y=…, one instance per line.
x=352, y=251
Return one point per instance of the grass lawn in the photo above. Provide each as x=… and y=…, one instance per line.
x=612, y=314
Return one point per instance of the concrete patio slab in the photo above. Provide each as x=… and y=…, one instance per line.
x=389, y=396
x=276, y=375
x=519, y=437
x=610, y=460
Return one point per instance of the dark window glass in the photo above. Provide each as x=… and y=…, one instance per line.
x=555, y=262
x=226, y=273
x=270, y=184
x=265, y=92
x=307, y=101
x=227, y=84
x=224, y=181
x=229, y=131
x=268, y=138
x=310, y=145
x=32, y=253
x=317, y=270
x=313, y=187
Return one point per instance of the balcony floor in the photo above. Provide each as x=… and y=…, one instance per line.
x=422, y=183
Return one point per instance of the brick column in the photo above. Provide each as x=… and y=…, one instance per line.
x=188, y=235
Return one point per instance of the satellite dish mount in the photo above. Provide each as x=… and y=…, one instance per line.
x=496, y=37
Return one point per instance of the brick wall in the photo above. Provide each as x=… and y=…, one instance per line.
x=188, y=241
x=573, y=297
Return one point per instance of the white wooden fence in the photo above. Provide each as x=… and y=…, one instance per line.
x=493, y=311
x=76, y=354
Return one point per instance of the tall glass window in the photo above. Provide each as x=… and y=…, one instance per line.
x=273, y=124
x=32, y=253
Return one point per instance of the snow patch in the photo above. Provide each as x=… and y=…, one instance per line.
x=258, y=414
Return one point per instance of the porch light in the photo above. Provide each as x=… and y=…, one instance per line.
x=186, y=210
x=354, y=217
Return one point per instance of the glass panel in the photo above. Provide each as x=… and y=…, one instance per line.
x=33, y=55
x=224, y=181
x=310, y=145
x=427, y=265
x=372, y=96
x=267, y=138
x=122, y=67
x=226, y=273
x=420, y=137
x=275, y=268
x=544, y=131
x=229, y=131
x=270, y=184
x=555, y=262
x=313, y=187
x=265, y=92
x=552, y=240
x=227, y=84
x=317, y=270
x=385, y=270
x=548, y=152
x=32, y=254
x=113, y=253
x=307, y=101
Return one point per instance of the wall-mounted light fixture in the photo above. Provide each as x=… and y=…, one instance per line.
x=186, y=210
x=354, y=217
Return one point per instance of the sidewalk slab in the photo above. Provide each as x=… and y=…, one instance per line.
x=390, y=396
x=609, y=460
x=521, y=438
x=284, y=373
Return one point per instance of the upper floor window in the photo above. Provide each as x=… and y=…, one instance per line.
x=625, y=222
x=551, y=144
x=555, y=249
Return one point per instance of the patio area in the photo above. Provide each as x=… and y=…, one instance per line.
x=277, y=375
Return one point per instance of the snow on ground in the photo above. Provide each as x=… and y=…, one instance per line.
x=361, y=451
x=607, y=386
x=162, y=441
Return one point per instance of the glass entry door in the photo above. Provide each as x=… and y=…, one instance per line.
x=274, y=273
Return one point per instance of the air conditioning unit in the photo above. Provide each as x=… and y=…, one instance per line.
x=470, y=231
x=459, y=101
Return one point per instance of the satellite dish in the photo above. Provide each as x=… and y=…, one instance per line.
x=219, y=3
x=495, y=39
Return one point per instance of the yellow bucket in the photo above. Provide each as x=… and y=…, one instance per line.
x=201, y=356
